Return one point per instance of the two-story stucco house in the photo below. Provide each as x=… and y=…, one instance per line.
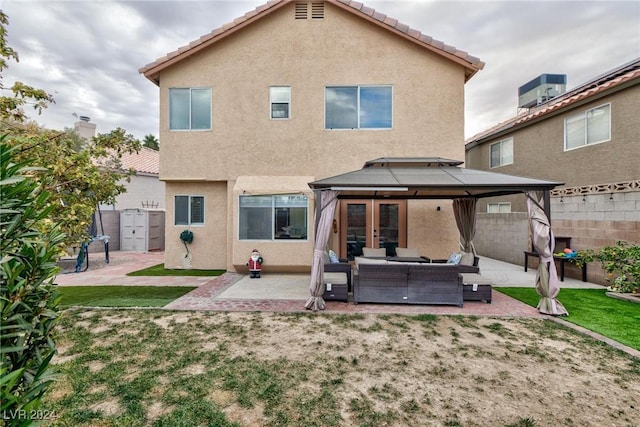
x=588, y=138
x=289, y=93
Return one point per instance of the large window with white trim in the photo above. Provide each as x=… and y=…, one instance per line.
x=589, y=127
x=273, y=217
x=358, y=107
x=190, y=108
x=189, y=210
x=501, y=153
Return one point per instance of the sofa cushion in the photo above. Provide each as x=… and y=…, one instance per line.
x=473, y=278
x=407, y=252
x=361, y=260
x=335, y=278
x=381, y=252
x=466, y=259
x=333, y=257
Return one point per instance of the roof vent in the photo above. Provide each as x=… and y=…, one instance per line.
x=301, y=10
x=317, y=10
x=541, y=89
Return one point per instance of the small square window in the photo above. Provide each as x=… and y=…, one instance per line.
x=189, y=210
x=280, y=100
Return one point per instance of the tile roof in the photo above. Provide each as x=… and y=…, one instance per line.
x=609, y=81
x=146, y=161
x=472, y=64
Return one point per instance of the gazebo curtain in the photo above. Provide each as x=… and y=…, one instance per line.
x=547, y=283
x=327, y=201
x=464, y=211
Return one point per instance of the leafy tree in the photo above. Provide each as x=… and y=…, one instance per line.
x=151, y=141
x=50, y=185
x=78, y=180
x=79, y=175
x=28, y=299
x=11, y=106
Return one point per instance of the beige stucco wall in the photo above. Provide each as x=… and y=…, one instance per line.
x=209, y=247
x=341, y=49
x=538, y=150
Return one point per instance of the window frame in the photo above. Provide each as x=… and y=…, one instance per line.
x=498, y=204
x=500, y=143
x=190, y=221
x=584, y=117
x=190, y=112
x=272, y=215
x=358, y=106
x=272, y=102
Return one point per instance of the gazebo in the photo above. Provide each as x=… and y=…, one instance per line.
x=438, y=178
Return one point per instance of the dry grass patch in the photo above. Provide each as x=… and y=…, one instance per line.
x=321, y=369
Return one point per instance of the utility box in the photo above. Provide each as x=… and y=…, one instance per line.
x=142, y=230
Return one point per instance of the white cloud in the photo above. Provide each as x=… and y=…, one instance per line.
x=87, y=54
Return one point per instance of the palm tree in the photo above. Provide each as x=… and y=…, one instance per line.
x=152, y=142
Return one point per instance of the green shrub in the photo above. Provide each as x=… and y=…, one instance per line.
x=28, y=299
x=621, y=262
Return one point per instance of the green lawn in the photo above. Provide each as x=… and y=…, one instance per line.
x=592, y=309
x=121, y=296
x=159, y=270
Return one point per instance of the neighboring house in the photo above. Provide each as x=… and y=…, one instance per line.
x=588, y=138
x=144, y=190
x=292, y=92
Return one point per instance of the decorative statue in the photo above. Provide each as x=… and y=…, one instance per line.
x=255, y=264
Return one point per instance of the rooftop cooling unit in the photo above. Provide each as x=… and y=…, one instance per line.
x=541, y=89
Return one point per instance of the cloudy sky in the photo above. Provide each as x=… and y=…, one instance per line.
x=87, y=53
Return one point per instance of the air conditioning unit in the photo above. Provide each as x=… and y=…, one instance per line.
x=541, y=89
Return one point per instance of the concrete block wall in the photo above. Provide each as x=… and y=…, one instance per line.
x=502, y=236
x=591, y=220
x=111, y=224
x=598, y=220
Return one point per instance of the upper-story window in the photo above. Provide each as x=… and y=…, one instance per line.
x=189, y=210
x=589, y=127
x=280, y=100
x=358, y=107
x=502, y=153
x=190, y=108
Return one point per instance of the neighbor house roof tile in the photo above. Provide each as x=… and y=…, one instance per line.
x=471, y=63
x=145, y=161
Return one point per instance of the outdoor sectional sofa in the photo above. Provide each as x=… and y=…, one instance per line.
x=407, y=283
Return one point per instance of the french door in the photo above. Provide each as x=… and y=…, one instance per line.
x=372, y=224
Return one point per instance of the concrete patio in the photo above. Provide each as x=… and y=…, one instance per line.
x=289, y=292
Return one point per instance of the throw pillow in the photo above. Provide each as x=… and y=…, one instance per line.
x=333, y=257
x=454, y=258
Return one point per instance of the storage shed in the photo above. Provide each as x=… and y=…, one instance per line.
x=142, y=230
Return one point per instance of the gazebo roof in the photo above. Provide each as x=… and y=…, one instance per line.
x=426, y=178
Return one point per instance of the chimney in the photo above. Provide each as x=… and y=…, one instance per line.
x=85, y=129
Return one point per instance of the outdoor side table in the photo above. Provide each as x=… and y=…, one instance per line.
x=476, y=288
x=335, y=287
